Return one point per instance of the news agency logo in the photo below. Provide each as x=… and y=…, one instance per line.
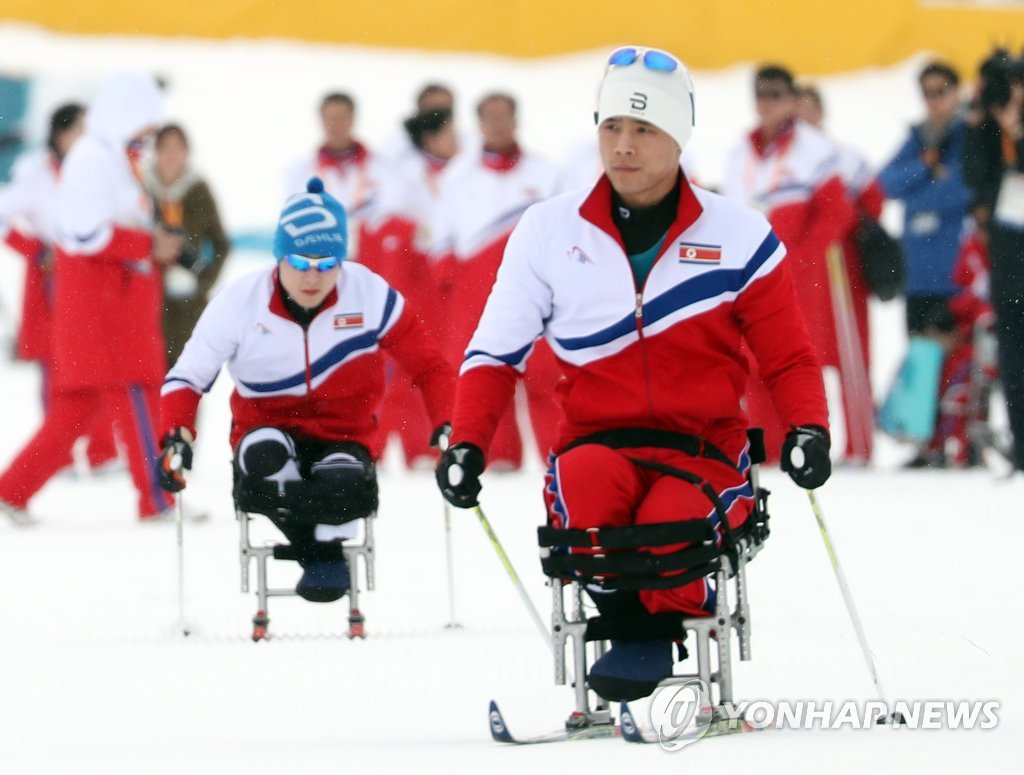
x=681, y=714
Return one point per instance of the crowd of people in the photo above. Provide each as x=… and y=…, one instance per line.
x=433, y=214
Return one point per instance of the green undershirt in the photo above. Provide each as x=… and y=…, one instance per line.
x=643, y=262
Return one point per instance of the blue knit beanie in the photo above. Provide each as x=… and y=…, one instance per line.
x=312, y=224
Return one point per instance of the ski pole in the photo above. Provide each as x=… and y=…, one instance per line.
x=452, y=623
x=850, y=607
x=179, y=525
x=541, y=627
x=443, y=440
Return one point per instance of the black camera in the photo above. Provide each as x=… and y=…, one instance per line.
x=999, y=72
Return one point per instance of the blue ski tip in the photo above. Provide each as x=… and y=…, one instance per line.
x=630, y=732
x=499, y=731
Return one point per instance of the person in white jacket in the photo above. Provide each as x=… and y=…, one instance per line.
x=28, y=224
x=108, y=353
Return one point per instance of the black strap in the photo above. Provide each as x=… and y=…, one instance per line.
x=318, y=550
x=628, y=563
x=655, y=581
x=632, y=537
x=700, y=483
x=308, y=501
x=624, y=438
x=666, y=626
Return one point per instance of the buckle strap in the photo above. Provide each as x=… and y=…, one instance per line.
x=631, y=537
x=630, y=564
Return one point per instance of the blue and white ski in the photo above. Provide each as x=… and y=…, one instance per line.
x=632, y=732
x=500, y=731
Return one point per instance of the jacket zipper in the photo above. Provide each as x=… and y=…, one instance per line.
x=643, y=346
x=643, y=355
x=309, y=371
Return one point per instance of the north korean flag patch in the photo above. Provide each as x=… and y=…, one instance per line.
x=348, y=320
x=695, y=253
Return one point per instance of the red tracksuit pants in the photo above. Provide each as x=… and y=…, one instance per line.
x=71, y=415
x=596, y=486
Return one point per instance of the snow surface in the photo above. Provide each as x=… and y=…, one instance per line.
x=95, y=677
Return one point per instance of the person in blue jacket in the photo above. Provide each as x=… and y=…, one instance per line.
x=927, y=175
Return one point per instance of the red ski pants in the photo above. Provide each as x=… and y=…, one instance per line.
x=596, y=486
x=71, y=414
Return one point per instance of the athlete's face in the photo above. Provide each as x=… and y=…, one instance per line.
x=337, y=119
x=171, y=157
x=641, y=161
x=776, y=103
x=66, y=139
x=309, y=288
x=498, y=125
x=442, y=144
x=941, y=98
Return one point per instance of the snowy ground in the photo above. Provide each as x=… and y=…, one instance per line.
x=95, y=678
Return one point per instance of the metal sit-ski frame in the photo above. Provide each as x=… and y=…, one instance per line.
x=353, y=551
x=725, y=560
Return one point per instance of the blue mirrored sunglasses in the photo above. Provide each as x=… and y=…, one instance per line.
x=652, y=58
x=305, y=263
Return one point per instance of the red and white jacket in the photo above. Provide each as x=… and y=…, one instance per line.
x=410, y=192
x=325, y=382
x=483, y=196
x=108, y=298
x=796, y=182
x=28, y=224
x=665, y=355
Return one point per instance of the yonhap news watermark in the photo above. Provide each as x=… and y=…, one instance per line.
x=681, y=714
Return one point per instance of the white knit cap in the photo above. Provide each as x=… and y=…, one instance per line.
x=662, y=98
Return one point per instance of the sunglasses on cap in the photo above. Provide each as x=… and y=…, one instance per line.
x=652, y=58
x=305, y=263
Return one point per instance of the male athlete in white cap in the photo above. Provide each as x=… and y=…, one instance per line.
x=646, y=288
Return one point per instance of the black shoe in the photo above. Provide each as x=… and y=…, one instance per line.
x=323, y=581
x=925, y=460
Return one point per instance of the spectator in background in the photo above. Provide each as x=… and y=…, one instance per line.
x=185, y=207
x=851, y=311
x=108, y=352
x=483, y=194
x=926, y=175
x=789, y=171
x=409, y=195
x=351, y=173
x=994, y=168
x=431, y=98
x=28, y=224
x=434, y=97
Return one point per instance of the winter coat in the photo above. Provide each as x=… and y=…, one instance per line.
x=107, y=289
x=188, y=206
x=934, y=209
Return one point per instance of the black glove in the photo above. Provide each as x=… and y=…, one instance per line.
x=458, y=474
x=441, y=436
x=805, y=456
x=175, y=457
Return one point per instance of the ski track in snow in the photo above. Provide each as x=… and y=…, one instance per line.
x=96, y=678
